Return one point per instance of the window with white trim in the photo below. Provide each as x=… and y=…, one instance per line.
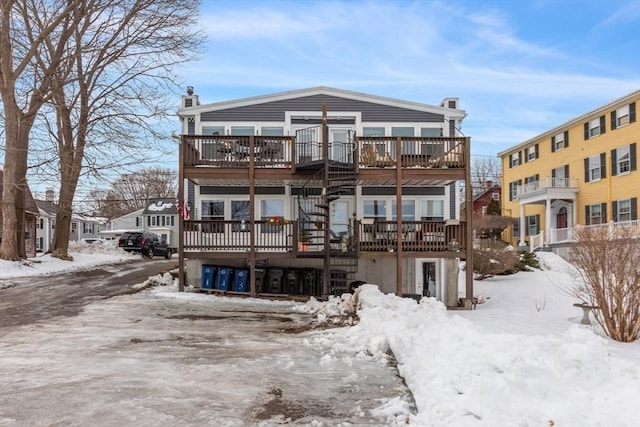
x=372, y=131
x=515, y=159
x=594, y=214
x=271, y=208
x=495, y=196
x=594, y=168
x=533, y=225
x=594, y=128
x=624, y=210
x=532, y=153
x=559, y=142
x=212, y=210
x=432, y=210
x=623, y=159
x=622, y=116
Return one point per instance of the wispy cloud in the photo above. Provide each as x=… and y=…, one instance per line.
x=489, y=56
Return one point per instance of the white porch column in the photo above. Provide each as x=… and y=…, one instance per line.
x=522, y=225
x=547, y=221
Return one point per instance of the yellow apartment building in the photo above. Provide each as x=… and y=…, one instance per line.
x=583, y=172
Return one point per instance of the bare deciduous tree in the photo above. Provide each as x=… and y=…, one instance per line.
x=607, y=259
x=132, y=191
x=484, y=169
x=113, y=91
x=28, y=29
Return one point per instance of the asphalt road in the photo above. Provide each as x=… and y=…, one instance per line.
x=27, y=300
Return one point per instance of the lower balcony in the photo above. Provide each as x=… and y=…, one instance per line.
x=369, y=236
x=613, y=230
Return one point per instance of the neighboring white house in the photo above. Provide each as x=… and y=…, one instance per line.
x=127, y=222
x=160, y=216
x=82, y=226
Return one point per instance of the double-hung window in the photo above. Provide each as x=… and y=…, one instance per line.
x=624, y=210
x=594, y=127
x=515, y=159
x=623, y=159
x=531, y=153
x=533, y=225
x=596, y=214
x=595, y=168
x=623, y=116
x=560, y=141
x=560, y=177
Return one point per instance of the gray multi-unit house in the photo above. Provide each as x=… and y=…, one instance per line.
x=311, y=192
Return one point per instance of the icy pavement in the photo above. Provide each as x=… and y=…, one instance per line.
x=160, y=358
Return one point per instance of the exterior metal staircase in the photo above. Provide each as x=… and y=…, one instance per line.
x=335, y=178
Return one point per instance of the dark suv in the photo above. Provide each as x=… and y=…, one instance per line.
x=146, y=243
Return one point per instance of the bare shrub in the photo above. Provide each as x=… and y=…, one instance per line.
x=607, y=259
x=499, y=258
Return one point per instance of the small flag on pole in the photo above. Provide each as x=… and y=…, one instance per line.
x=182, y=209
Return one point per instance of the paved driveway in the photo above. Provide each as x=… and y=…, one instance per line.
x=163, y=358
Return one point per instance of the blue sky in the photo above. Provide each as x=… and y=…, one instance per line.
x=519, y=67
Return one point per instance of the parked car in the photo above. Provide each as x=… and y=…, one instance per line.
x=146, y=243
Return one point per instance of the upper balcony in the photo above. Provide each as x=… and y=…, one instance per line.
x=284, y=152
x=547, y=188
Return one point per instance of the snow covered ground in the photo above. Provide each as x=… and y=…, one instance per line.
x=520, y=359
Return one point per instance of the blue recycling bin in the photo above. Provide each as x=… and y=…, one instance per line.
x=224, y=278
x=241, y=280
x=208, y=276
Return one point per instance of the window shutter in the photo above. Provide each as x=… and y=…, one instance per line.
x=614, y=166
x=537, y=177
x=587, y=215
x=519, y=157
x=553, y=173
x=603, y=165
x=614, y=211
x=566, y=171
x=537, y=152
x=537, y=224
x=509, y=161
x=511, y=191
x=633, y=160
x=553, y=144
x=603, y=125
x=586, y=131
x=566, y=138
x=632, y=112
x=586, y=170
x=634, y=208
x=614, y=122
x=603, y=207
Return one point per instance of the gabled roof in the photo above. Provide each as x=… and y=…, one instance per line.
x=164, y=206
x=47, y=207
x=321, y=90
x=29, y=203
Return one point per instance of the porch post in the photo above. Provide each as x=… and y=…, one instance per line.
x=522, y=225
x=547, y=221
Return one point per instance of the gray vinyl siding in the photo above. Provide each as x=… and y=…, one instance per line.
x=275, y=111
x=453, y=212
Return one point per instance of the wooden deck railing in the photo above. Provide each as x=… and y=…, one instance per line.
x=283, y=151
x=378, y=236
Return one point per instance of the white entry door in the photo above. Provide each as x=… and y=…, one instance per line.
x=340, y=143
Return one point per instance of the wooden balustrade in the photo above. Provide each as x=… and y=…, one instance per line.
x=380, y=236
